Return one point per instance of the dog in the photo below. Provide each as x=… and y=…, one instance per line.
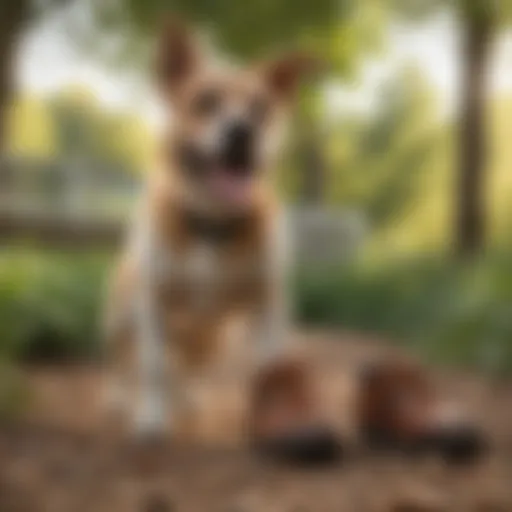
x=209, y=239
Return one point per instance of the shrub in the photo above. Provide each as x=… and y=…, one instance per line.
x=50, y=303
x=448, y=311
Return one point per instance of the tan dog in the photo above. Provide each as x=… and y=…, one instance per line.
x=208, y=241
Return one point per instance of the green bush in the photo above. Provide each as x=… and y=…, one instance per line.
x=50, y=304
x=450, y=312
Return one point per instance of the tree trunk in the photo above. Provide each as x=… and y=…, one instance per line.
x=13, y=14
x=470, y=214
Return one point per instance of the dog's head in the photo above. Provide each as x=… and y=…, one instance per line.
x=228, y=123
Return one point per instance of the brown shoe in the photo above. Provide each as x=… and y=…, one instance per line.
x=399, y=409
x=286, y=423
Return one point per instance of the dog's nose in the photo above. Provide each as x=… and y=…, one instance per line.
x=239, y=146
x=239, y=134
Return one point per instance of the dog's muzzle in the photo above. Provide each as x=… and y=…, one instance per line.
x=238, y=153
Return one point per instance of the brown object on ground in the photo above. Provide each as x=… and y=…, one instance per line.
x=399, y=408
x=286, y=420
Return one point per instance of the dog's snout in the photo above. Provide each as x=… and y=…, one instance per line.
x=239, y=134
x=239, y=146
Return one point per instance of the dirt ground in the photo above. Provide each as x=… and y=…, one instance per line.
x=60, y=458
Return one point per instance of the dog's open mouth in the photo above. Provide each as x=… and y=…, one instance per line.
x=231, y=185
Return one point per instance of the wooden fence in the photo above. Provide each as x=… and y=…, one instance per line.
x=78, y=210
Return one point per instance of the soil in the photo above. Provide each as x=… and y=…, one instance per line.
x=60, y=457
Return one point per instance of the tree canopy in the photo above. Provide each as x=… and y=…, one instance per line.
x=337, y=30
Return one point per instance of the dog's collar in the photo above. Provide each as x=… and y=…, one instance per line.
x=216, y=230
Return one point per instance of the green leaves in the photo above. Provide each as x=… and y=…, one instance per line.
x=417, y=9
x=378, y=162
x=450, y=313
x=49, y=304
x=86, y=131
x=244, y=29
x=337, y=30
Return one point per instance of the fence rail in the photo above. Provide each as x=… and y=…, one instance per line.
x=320, y=236
x=78, y=207
x=56, y=230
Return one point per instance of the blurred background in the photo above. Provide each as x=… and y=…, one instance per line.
x=401, y=149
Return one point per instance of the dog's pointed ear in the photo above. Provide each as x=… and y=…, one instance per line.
x=177, y=54
x=285, y=74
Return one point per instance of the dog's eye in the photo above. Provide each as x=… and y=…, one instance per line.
x=259, y=109
x=207, y=102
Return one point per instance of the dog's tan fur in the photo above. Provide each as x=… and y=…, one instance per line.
x=197, y=325
x=173, y=295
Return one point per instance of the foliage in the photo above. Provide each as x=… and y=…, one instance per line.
x=30, y=129
x=49, y=304
x=72, y=124
x=383, y=167
x=425, y=223
x=379, y=163
x=86, y=130
x=241, y=28
x=451, y=313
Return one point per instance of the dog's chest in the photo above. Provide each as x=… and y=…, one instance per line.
x=206, y=278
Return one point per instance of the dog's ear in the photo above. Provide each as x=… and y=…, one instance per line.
x=285, y=74
x=177, y=54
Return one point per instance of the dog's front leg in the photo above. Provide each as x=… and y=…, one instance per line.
x=272, y=313
x=271, y=326
x=151, y=403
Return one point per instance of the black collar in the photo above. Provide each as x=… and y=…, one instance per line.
x=217, y=230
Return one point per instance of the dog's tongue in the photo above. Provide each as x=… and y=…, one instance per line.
x=230, y=187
